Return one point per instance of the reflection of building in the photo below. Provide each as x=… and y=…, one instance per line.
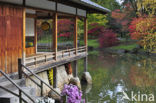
x=18, y=24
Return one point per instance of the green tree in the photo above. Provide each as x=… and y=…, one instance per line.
x=109, y=4
x=142, y=6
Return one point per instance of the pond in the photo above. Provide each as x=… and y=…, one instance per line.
x=120, y=78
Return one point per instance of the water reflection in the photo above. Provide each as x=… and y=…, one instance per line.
x=114, y=74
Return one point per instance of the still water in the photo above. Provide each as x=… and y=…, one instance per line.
x=121, y=78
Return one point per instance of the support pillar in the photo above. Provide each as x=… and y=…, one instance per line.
x=75, y=69
x=55, y=35
x=85, y=64
x=86, y=77
x=75, y=34
x=55, y=77
x=75, y=79
x=86, y=32
x=23, y=37
x=53, y=94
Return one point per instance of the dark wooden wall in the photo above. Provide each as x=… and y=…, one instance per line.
x=11, y=30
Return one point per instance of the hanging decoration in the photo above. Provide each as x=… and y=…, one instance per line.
x=45, y=26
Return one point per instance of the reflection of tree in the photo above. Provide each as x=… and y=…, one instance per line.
x=143, y=75
x=141, y=78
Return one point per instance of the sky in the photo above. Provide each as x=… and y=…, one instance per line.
x=120, y=1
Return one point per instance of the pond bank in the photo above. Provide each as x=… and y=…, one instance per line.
x=123, y=47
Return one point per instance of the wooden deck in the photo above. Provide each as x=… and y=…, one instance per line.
x=43, y=61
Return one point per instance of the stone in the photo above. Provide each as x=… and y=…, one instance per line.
x=62, y=77
x=120, y=51
x=87, y=88
x=53, y=95
x=70, y=76
x=75, y=81
x=86, y=77
x=43, y=76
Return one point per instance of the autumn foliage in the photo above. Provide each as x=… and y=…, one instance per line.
x=95, y=31
x=121, y=18
x=65, y=28
x=107, y=38
x=143, y=29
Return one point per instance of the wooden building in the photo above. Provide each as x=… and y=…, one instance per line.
x=18, y=21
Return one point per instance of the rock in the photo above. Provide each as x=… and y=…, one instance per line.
x=70, y=76
x=88, y=88
x=86, y=77
x=135, y=50
x=44, y=76
x=53, y=95
x=75, y=81
x=62, y=77
x=120, y=51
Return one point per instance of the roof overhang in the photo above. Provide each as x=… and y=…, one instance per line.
x=74, y=7
x=92, y=7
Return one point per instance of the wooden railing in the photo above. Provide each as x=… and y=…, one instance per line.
x=21, y=71
x=45, y=57
x=21, y=92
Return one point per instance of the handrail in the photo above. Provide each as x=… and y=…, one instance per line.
x=12, y=93
x=42, y=82
x=18, y=87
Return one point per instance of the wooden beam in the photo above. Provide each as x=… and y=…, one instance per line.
x=35, y=38
x=75, y=33
x=85, y=32
x=23, y=37
x=55, y=35
x=28, y=15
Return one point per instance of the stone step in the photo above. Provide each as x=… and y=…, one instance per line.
x=7, y=84
x=13, y=76
x=9, y=98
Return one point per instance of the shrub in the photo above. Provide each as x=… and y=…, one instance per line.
x=95, y=31
x=65, y=29
x=143, y=29
x=107, y=38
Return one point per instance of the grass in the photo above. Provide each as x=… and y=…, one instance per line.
x=45, y=39
x=94, y=52
x=125, y=47
x=91, y=43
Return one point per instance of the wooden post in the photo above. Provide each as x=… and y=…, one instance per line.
x=75, y=34
x=35, y=38
x=55, y=35
x=75, y=69
x=23, y=37
x=20, y=68
x=85, y=32
x=55, y=77
x=85, y=64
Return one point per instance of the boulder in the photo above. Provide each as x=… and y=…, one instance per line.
x=86, y=77
x=75, y=81
x=87, y=88
x=53, y=95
